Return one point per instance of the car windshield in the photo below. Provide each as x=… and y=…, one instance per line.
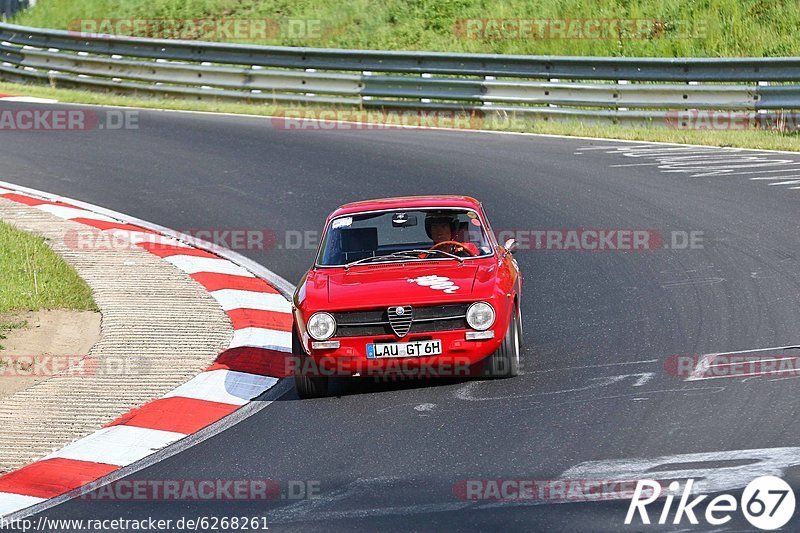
x=404, y=235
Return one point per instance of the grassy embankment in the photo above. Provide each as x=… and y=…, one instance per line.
x=34, y=277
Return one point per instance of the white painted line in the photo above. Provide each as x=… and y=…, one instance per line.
x=192, y=265
x=755, y=361
x=682, y=159
x=705, y=361
x=717, y=168
x=785, y=378
x=466, y=393
x=603, y=365
x=768, y=171
x=717, y=157
x=749, y=375
x=14, y=502
x=69, y=213
x=701, y=163
x=268, y=339
x=757, y=350
x=773, y=178
x=701, y=368
x=231, y=299
x=709, y=468
x=789, y=182
x=118, y=445
x=6, y=191
x=656, y=151
x=224, y=386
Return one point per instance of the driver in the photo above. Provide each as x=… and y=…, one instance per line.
x=443, y=231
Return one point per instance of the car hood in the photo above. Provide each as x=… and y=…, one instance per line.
x=402, y=284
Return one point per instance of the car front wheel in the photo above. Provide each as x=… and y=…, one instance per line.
x=307, y=386
x=310, y=387
x=504, y=363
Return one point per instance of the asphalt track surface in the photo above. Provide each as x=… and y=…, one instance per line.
x=599, y=326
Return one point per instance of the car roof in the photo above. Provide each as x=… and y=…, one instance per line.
x=408, y=202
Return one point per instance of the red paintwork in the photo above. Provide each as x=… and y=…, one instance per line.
x=407, y=202
x=49, y=478
x=178, y=414
x=494, y=279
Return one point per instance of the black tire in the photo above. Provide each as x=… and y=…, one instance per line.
x=307, y=386
x=504, y=363
x=310, y=387
x=521, y=330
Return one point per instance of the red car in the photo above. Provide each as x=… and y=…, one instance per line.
x=417, y=286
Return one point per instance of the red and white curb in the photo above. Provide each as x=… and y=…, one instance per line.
x=259, y=310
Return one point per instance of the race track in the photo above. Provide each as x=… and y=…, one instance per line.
x=599, y=325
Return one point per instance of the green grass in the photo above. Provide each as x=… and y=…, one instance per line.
x=702, y=28
x=766, y=140
x=34, y=277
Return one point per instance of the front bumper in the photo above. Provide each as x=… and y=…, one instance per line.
x=350, y=358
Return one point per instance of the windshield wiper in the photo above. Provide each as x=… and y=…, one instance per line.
x=363, y=260
x=396, y=255
x=403, y=254
x=446, y=254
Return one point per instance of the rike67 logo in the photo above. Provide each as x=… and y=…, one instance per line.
x=767, y=503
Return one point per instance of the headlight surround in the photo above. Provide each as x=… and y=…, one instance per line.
x=321, y=326
x=480, y=316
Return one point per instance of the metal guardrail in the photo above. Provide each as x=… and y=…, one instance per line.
x=627, y=90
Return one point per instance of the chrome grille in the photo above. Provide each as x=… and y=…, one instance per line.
x=426, y=319
x=400, y=318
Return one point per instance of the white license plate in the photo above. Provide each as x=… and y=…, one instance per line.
x=404, y=349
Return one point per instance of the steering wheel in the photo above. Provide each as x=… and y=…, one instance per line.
x=457, y=248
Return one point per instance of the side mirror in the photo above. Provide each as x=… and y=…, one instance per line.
x=511, y=246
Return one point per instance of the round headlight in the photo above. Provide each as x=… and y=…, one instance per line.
x=480, y=316
x=321, y=326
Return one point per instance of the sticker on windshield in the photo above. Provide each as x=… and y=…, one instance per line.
x=342, y=222
x=439, y=283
